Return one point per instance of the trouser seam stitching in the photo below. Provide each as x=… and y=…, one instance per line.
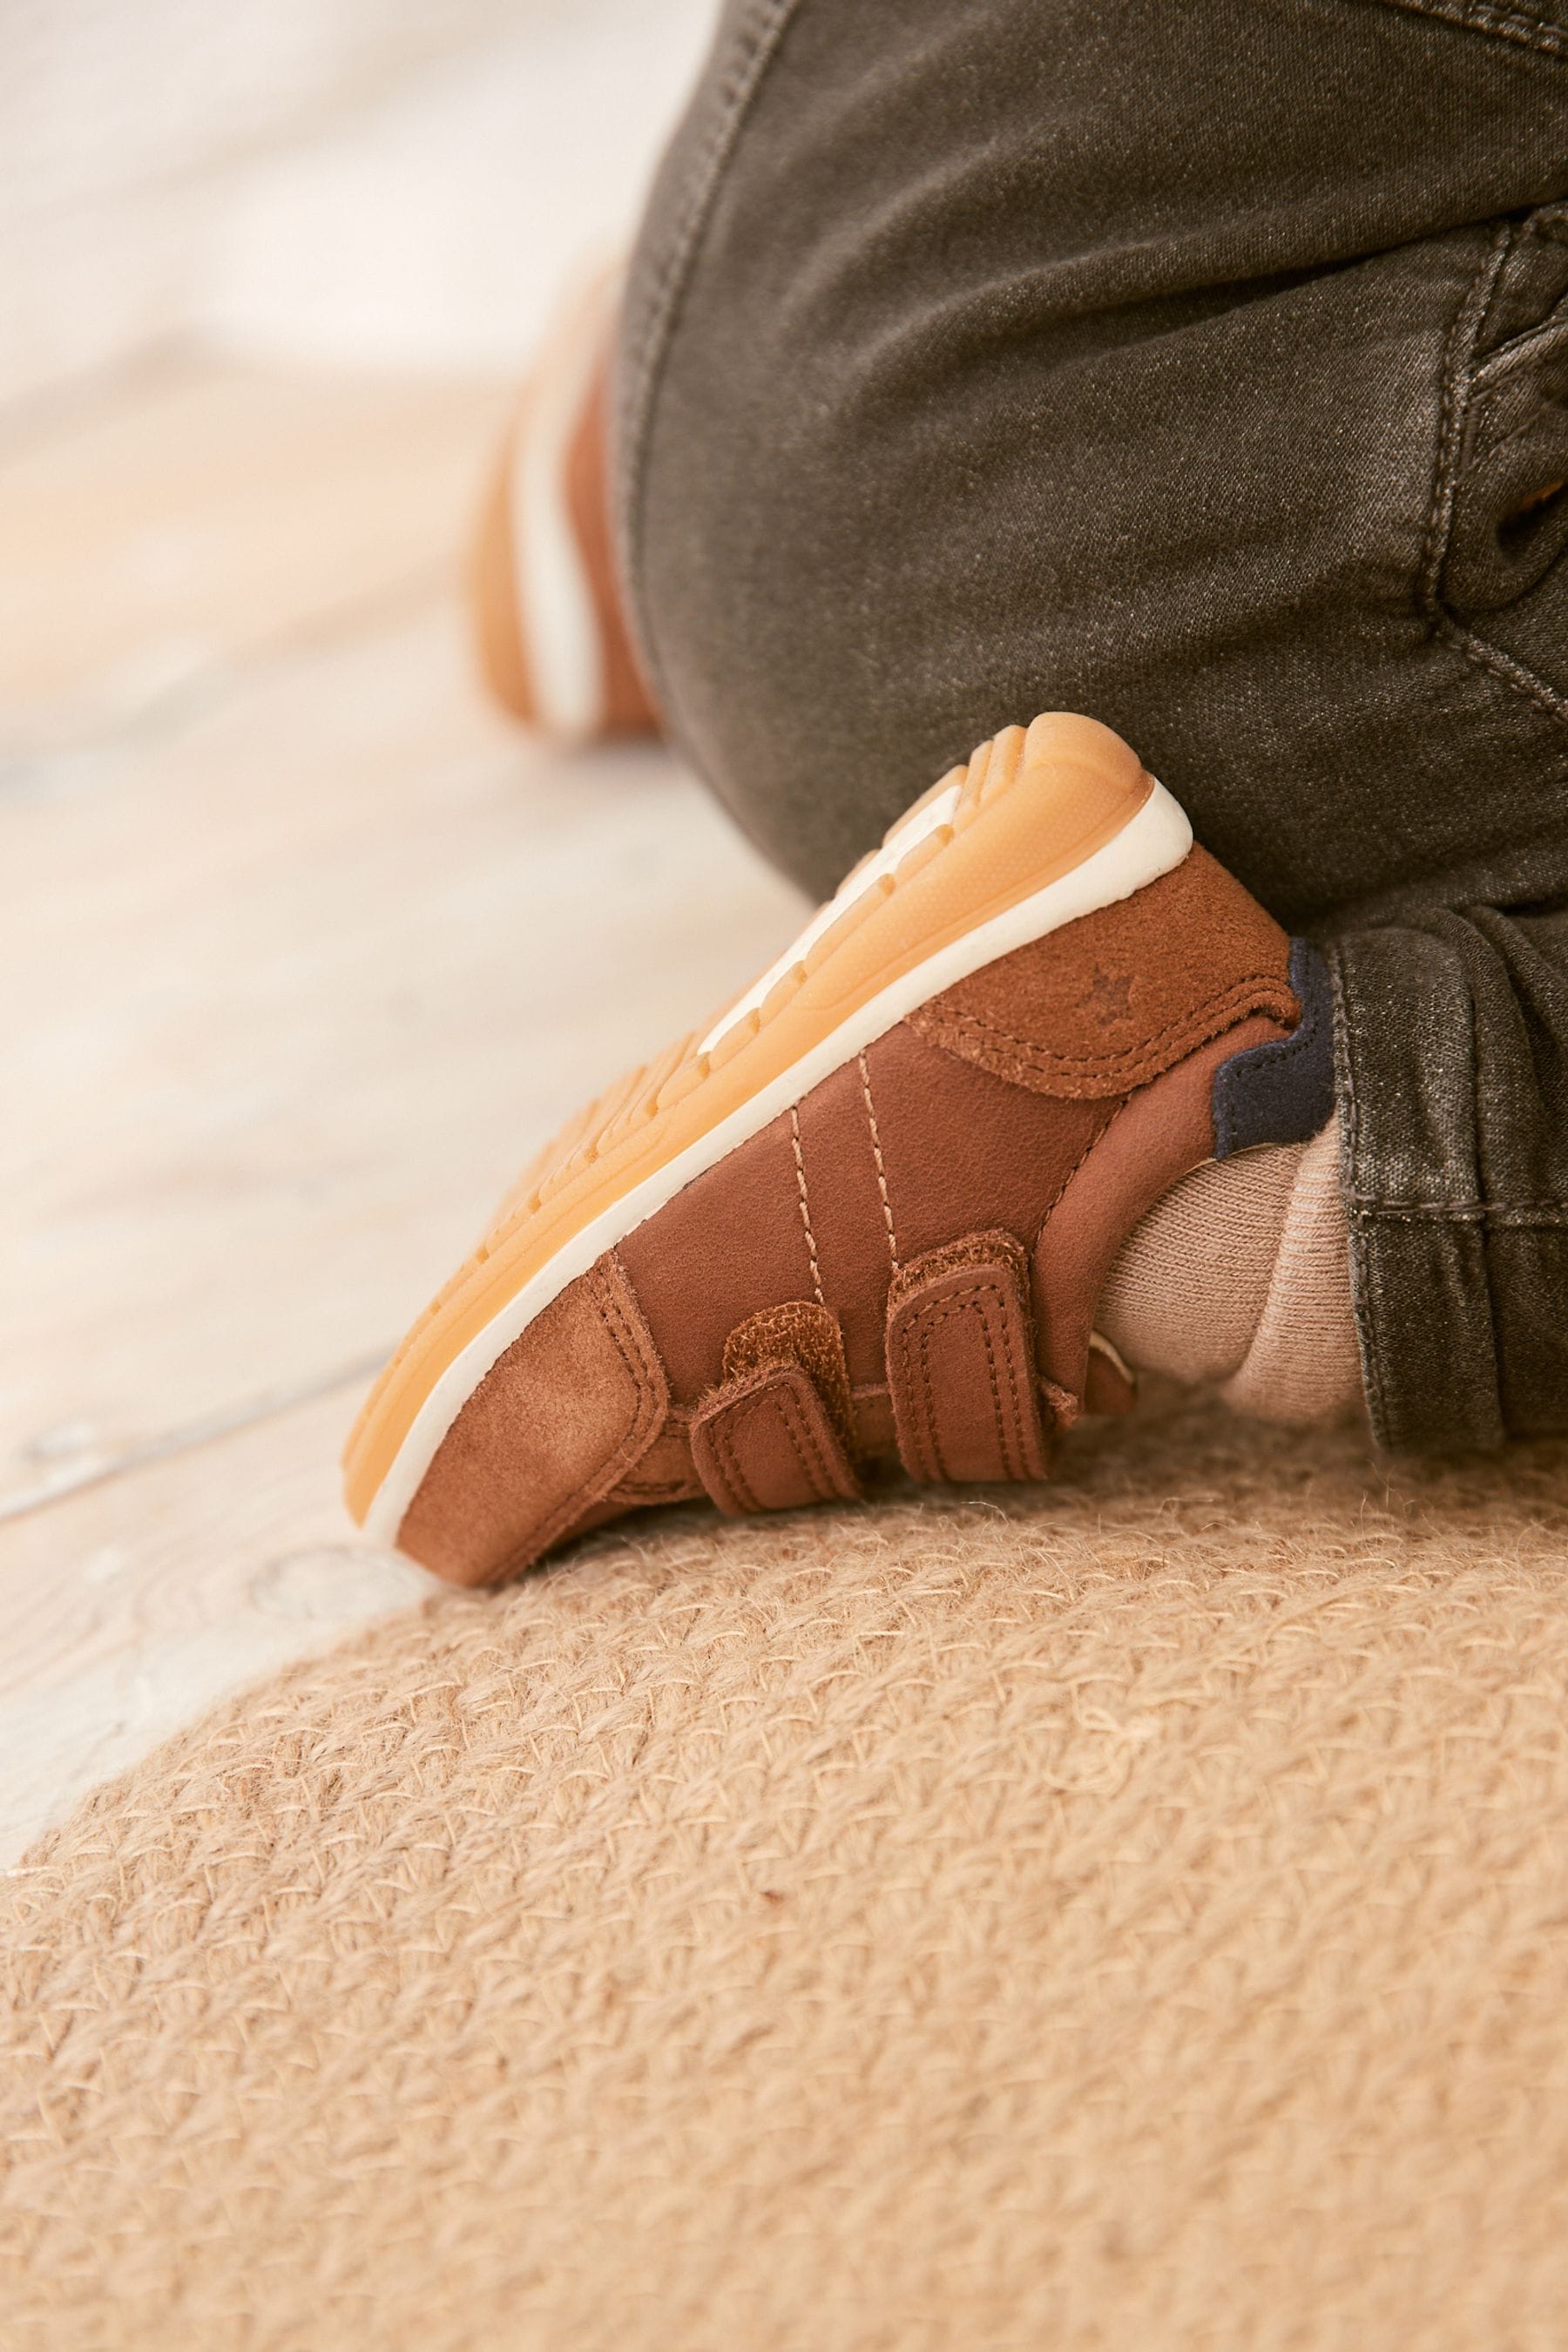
x=1523, y=1214
x=1460, y=375
x=1365, y=1270
x=1458, y=349
x=1518, y=26
x=1502, y=666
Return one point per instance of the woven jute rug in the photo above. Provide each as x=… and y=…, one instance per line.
x=1130, y=1915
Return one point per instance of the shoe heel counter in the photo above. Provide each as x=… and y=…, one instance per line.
x=1107, y=1002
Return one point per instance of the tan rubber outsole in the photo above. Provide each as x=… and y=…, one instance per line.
x=1037, y=829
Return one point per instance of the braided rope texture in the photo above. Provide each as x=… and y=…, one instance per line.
x=1123, y=1914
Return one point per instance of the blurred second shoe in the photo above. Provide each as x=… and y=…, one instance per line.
x=548, y=619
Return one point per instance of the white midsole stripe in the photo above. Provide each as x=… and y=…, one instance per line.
x=1157, y=839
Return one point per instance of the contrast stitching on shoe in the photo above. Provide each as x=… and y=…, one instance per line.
x=804, y=1203
x=728, y=1463
x=1095, y=1141
x=881, y=1167
x=782, y=1401
x=973, y=1299
x=589, y=1131
x=927, y=1441
x=818, y=1354
x=1302, y=1039
x=1231, y=999
x=807, y=1442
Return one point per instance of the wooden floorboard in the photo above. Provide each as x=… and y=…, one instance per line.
x=298, y=967
x=186, y=517
x=131, y=1606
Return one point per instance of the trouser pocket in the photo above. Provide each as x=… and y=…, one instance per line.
x=1502, y=580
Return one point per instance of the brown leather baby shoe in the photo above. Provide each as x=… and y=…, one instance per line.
x=549, y=623
x=865, y=1219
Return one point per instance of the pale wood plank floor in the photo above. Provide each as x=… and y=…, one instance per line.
x=301, y=951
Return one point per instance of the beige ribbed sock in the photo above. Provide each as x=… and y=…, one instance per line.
x=1241, y=1276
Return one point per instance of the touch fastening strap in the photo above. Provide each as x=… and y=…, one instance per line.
x=960, y=1364
x=765, y=1441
